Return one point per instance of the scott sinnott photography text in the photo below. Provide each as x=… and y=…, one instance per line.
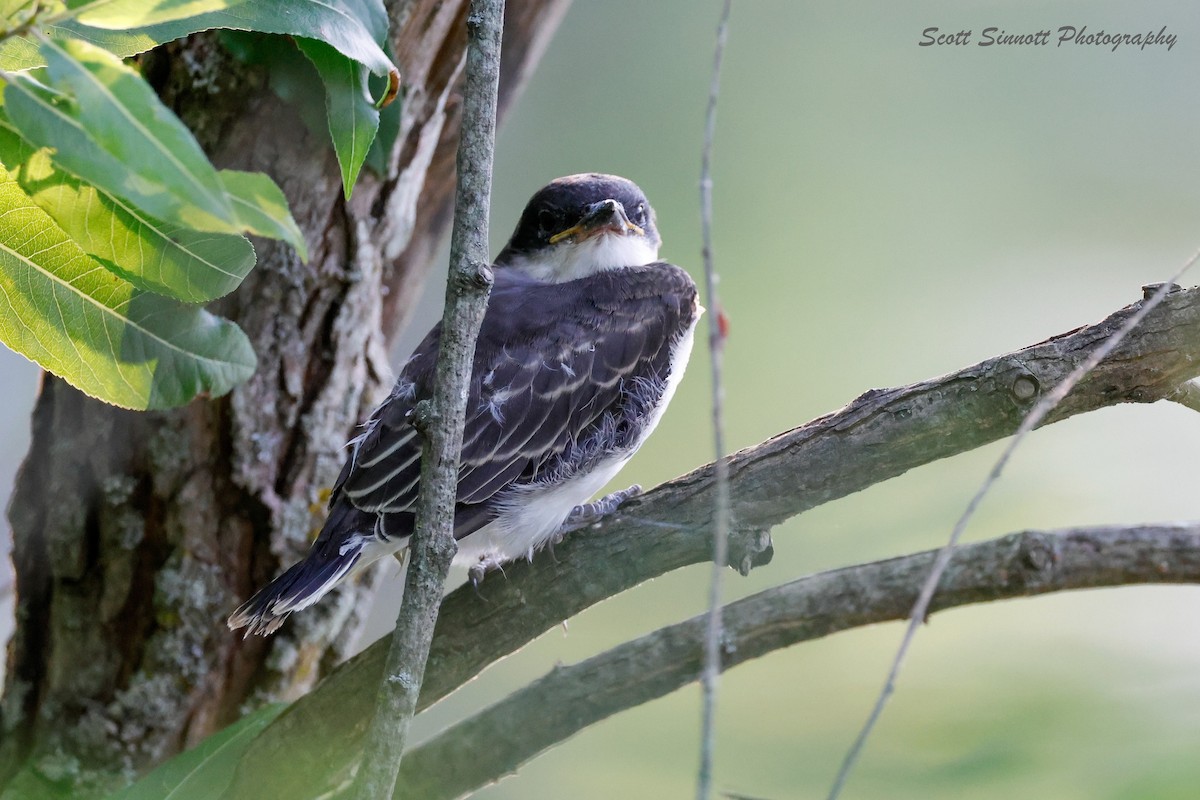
x=1064, y=36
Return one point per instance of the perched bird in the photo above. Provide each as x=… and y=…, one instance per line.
x=585, y=338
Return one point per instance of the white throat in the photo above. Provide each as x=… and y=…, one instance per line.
x=571, y=260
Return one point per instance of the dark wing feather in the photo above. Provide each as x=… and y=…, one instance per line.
x=554, y=367
x=385, y=461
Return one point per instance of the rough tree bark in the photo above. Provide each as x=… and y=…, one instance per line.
x=135, y=534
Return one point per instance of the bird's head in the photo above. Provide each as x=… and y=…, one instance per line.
x=582, y=224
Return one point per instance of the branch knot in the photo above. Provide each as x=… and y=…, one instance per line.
x=750, y=548
x=1037, y=557
x=477, y=276
x=1025, y=388
x=424, y=417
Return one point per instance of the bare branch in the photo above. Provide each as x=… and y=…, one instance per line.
x=432, y=546
x=716, y=346
x=1039, y=412
x=1187, y=395
x=880, y=435
x=495, y=742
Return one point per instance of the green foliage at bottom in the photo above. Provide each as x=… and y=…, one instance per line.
x=204, y=771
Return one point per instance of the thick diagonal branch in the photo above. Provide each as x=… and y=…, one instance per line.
x=495, y=742
x=881, y=434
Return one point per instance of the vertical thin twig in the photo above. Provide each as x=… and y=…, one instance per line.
x=441, y=420
x=716, y=344
x=1034, y=418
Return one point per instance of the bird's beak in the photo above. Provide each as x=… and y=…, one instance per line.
x=607, y=215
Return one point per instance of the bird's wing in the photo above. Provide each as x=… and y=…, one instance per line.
x=557, y=367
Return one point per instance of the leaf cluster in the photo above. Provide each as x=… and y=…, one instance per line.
x=114, y=224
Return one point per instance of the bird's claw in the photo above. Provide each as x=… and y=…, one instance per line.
x=590, y=513
x=477, y=571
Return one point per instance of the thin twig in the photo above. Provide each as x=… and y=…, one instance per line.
x=716, y=346
x=1034, y=418
x=496, y=741
x=432, y=547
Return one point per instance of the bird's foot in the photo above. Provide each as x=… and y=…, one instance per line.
x=590, y=513
x=482, y=567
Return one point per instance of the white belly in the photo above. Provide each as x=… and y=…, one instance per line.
x=531, y=516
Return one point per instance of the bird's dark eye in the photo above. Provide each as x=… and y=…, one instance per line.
x=547, y=222
x=639, y=214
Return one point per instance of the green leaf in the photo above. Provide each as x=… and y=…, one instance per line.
x=14, y=11
x=154, y=255
x=336, y=23
x=262, y=208
x=373, y=16
x=352, y=27
x=290, y=75
x=109, y=128
x=18, y=53
x=205, y=770
x=103, y=335
x=353, y=118
x=389, y=127
x=126, y=14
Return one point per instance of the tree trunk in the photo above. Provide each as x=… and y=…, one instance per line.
x=135, y=534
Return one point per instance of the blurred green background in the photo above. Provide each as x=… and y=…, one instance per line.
x=885, y=213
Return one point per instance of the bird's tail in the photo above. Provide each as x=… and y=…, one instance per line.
x=345, y=543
